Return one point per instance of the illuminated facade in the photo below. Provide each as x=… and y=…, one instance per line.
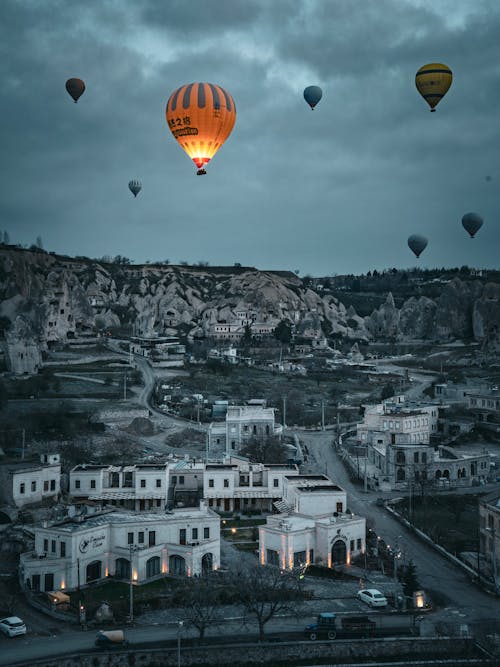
x=92, y=547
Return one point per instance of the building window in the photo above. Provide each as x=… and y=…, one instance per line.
x=424, y=457
x=174, y=479
x=206, y=533
x=63, y=549
x=352, y=545
x=21, y=488
x=194, y=535
x=152, y=538
x=143, y=483
x=182, y=536
x=92, y=483
x=400, y=475
x=299, y=558
x=130, y=538
x=181, y=479
x=211, y=483
x=77, y=483
x=226, y=483
x=400, y=457
x=415, y=457
x=358, y=543
x=158, y=483
x=53, y=546
x=272, y=557
x=46, y=485
x=52, y=484
x=339, y=507
x=153, y=567
x=276, y=482
x=45, y=546
x=33, y=485
x=127, y=479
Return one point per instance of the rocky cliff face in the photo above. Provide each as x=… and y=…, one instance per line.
x=463, y=310
x=61, y=297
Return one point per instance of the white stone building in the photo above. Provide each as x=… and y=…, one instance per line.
x=138, y=487
x=242, y=486
x=242, y=424
x=29, y=482
x=314, y=526
x=489, y=532
x=92, y=548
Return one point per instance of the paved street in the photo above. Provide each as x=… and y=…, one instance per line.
x=466, y=602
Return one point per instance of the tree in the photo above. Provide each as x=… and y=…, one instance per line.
x=265, y=450
x=283, y=332
x=387, y=391
x=409, y=579
x=247, y=337
x=201, y=600
x=266, y=591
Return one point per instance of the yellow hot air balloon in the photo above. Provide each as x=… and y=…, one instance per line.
x=433, y=82
x=201, y=117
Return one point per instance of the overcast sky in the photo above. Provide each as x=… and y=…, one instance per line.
x=337, y=190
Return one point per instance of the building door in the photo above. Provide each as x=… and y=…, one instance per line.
x=49, y=582
x=227, y=504
x=207, y=563
x=236, y=503
x=35, y=582
x=122, y=568
x=339, y=553
x=177, y=565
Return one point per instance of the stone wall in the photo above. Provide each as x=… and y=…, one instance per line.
x=339, y=652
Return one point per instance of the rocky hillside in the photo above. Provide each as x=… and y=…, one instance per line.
x=54, y=297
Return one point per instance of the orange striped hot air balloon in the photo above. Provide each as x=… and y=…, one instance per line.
x=201, y=117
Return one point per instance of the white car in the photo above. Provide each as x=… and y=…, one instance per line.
x=372, y=597
x=12, y=626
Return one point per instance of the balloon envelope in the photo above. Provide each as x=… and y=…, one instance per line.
x=201, y=117
x=417, y=244
x=433, y=82
x=135, y=187
x=472, y=223
x=75, y=88
x=312, y=95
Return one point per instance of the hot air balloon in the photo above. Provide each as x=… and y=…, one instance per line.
x=472, y=223
x=312, y=95
x=417, y=244
x=75, y=88
x=135, y=187
x=201, y=117
x=432, y=82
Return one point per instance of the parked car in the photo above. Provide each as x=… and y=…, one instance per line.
x=324, y=628
x=12, y=626
x=110, y=639
x=358, y=625
x=372, y=597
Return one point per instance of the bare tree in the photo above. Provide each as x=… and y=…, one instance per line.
x=268, y=449
x=266, y=591
x=202, y=603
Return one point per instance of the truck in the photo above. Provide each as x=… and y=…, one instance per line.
x=110, y=639
x=326, y=627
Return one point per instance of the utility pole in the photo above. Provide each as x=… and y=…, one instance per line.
x=179, y=628
x=322, y=415
x=125, y=387
x=131, y=592
x=284, y=411
x=23, y=443
x=366, y=474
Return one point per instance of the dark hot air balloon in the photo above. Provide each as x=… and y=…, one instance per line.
x=472, y=223
x=433, y=81
x=417, y=244
x=312, y=95
x=135, y=187
x=75, y=88
x=201, y=117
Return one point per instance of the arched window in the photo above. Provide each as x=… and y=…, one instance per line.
x=122, y=568
x=207, y=563
x=446, y=474
x=153, y=567
x=339, y=553
x=400, y=458
x=400, y=475
x=438, y=474
x=93, y=570
x=177, y=565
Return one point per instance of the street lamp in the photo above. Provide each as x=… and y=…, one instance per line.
x=179, y=628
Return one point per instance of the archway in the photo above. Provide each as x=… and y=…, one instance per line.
x=177, y=565
x=339, y=553
x=153, y=567
x=122, y=568
x=207, y=563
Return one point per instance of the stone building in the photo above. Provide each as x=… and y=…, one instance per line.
x=90, y=548
x=314, y=526
x=243, y=423
x=489, y=533
x=25, y=483
x=22, y=349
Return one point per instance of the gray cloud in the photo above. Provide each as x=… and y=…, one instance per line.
x=334, y=190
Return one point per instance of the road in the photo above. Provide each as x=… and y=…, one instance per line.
x=466, y=602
